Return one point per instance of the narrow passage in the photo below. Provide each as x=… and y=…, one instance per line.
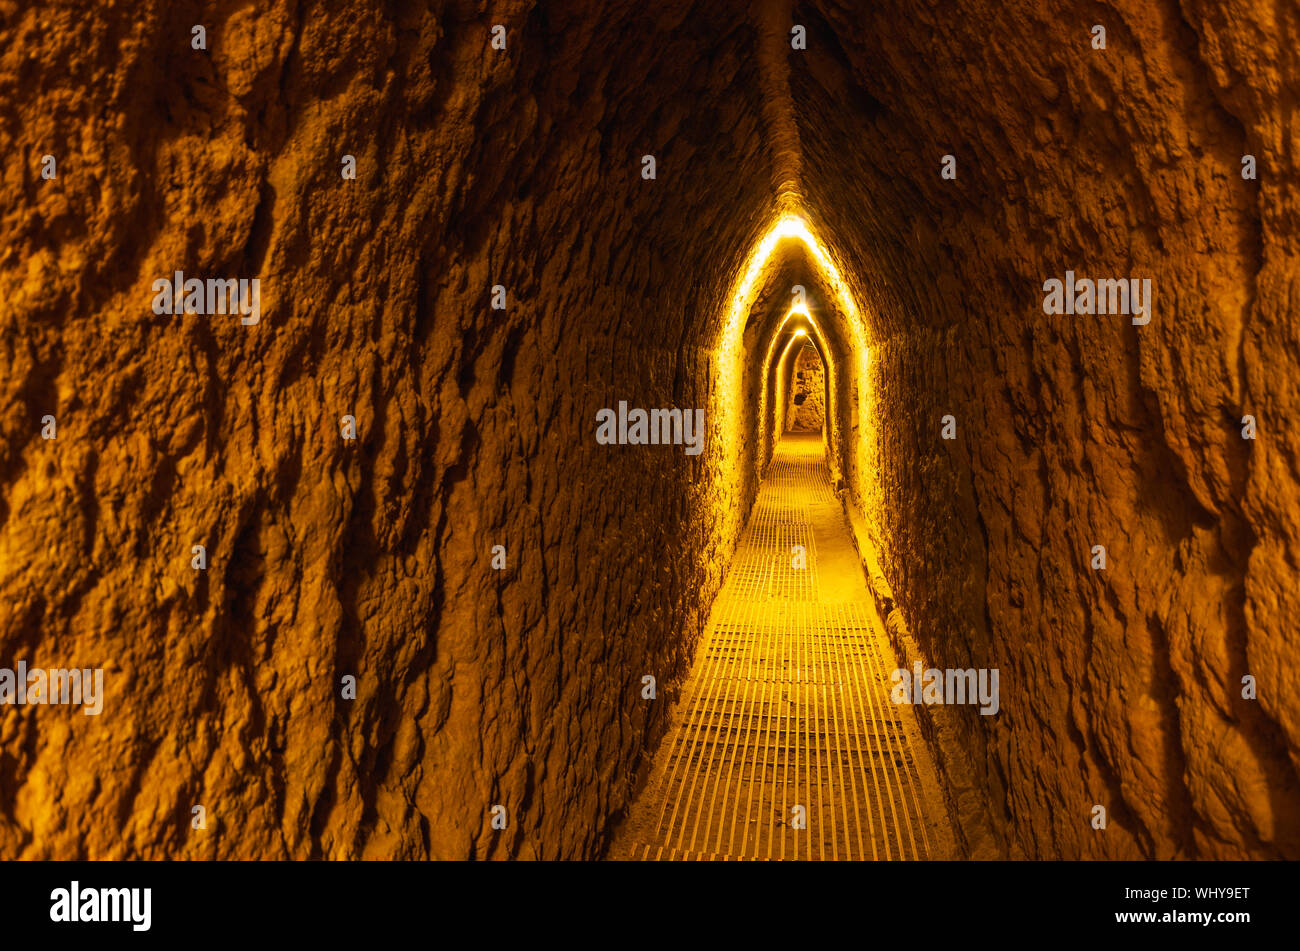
x=786, y=717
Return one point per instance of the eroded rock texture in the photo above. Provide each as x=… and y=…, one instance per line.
x=1123, y=687
x=524, y=168
x=807, y=410
x=475, y=167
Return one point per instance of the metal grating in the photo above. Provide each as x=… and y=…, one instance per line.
x=788, y=706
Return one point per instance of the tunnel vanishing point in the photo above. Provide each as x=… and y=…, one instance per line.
x=565, y=430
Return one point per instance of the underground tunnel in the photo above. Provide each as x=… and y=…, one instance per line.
x=793, y=430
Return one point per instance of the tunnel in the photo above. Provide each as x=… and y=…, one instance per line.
x=802, y=429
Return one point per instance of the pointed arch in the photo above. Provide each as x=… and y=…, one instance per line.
x=730, y=349
x=771, y=375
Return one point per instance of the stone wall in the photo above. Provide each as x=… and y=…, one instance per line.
x=475, y=427
x=1120, y=687
x=807, y=409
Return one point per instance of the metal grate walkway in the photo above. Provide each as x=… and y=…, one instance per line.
x=787, y=745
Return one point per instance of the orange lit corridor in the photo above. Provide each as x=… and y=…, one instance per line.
x=786, y=744
x=582, y=432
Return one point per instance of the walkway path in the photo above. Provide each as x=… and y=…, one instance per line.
x=788, y=705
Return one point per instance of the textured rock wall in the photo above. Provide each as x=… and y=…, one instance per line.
x=1120, y=687
x=373, y=558
x=807, y=409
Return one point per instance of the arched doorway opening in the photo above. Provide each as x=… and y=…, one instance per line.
x=805, y=410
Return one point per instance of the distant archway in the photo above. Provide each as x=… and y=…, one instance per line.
x=798, y=326
x=803, y=410
x=844, y=353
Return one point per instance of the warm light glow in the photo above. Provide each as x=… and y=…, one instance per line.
x=798, y=310
x=768, y=437
x=786, y=352
x=782, y=397
x=742, y=299
x=729, y=427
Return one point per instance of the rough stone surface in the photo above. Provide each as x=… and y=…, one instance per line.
x=475, y=167
x=807, y=409
x=523, y=168
x=1120, y=687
